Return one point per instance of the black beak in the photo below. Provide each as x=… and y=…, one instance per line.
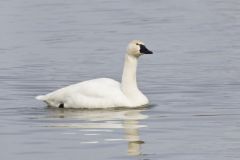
x=144, y=50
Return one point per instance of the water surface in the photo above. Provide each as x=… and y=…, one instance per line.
x=192, y=80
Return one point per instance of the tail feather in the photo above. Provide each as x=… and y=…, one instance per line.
x=41, y=97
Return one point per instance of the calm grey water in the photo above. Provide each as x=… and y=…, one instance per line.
x=192, y=80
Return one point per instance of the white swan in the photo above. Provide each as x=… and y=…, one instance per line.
x=104, y=92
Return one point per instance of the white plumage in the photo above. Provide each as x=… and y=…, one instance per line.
x=104, y=92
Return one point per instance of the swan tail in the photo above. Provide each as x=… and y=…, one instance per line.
x=41, y=98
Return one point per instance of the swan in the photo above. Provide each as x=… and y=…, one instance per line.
x=104, y=92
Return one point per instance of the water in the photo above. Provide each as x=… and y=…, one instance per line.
x=192, y=80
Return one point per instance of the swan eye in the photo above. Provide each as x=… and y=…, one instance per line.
x=137, y=44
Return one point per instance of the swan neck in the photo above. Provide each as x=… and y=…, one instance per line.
x=129, y=79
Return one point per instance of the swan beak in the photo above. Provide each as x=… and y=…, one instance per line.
x=144, y=50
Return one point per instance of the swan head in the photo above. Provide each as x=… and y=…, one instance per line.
x=137, y=48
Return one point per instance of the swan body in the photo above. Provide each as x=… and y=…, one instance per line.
x=104, y=92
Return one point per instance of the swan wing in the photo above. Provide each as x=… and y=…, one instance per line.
x=96, y=93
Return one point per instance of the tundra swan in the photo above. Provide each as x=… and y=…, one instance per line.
x=104, y=92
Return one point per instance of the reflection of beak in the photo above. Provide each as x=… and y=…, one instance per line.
x=134, y=147
x=144, y=50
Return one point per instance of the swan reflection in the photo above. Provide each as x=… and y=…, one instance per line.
x=106, y=121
